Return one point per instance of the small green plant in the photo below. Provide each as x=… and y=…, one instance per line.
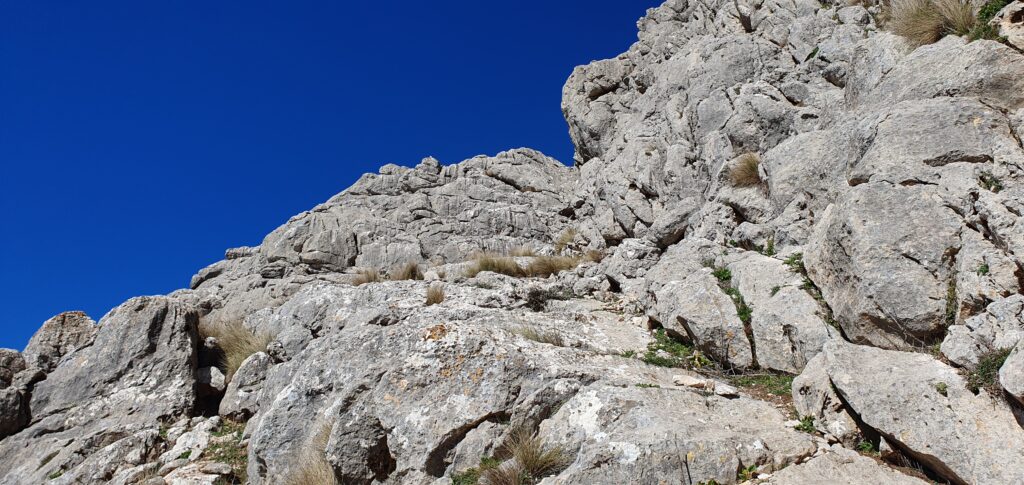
x=186, y=455
x=776, y=384
x=742, y=309
x=472, y=475
x=743, y=172
x=709, y=482
x=806, y=424
x=629, y=354
x=644, y=385
x=982, y=30
x=990, y=182
x=985, y=375
x=952, y=304
x=769, y=247
x=775, y=290
x=229, y=449
x=667, y=352
x=983, y=269
x=55, y=475
x=747, y=473
x=795, y=262
x=942, y=388
x=867, y=447
x=723, y=274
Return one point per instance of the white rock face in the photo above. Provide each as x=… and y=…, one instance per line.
x=883, y=218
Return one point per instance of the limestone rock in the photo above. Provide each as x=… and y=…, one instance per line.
x=697, y=308
x=923, y=407
x=619, y=434
x=785, y=323
x=881, y=258
x=140, y=368
x=241, y=398
x=814, y=396
x=11, y=363
x=840, y=466
x=58, y=337
x=1011, y=374
x=1010, y=22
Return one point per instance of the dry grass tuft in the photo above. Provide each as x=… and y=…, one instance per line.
x=236, y=343
x=594, y=255
x=435, y=294
x=743, y=171
x=508, y=473
x=495, y=264
x=539, y=266
x=567, y=236
x=522, y=251
x=364, y=276
x=311, y=466
x=407, y=271
x=923, y=22
x=544, y=266
x=544, y=337
x=533, y=456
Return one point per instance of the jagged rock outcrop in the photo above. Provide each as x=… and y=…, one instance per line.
x=768, y=187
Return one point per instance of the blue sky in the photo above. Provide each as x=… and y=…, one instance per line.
x=138, y=140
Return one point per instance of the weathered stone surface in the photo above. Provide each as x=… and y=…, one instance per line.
x=881, y=256
x=814, y=396
x=786, y=324
x=897, y=171
x=1011, y=374
x=923, y=407
x=695, y=307
x=59, y=336
x=618, y=434
x=241, y=399
x=140, y=369
x=1000, y=327
x=1010, y=22
x=11, y=363
x=841, y=467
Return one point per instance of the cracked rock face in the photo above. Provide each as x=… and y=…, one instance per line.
x=874, y=251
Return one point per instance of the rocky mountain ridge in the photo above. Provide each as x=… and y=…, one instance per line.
x=789, y=251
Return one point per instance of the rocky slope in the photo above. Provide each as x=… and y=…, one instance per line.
x=874, y=250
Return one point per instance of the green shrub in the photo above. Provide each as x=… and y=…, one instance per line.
x=867, y=447
x=777, y=384
x=985, y=375
x=667, y=352
x=722, y=274
x=990, y=182
x=806, y=424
